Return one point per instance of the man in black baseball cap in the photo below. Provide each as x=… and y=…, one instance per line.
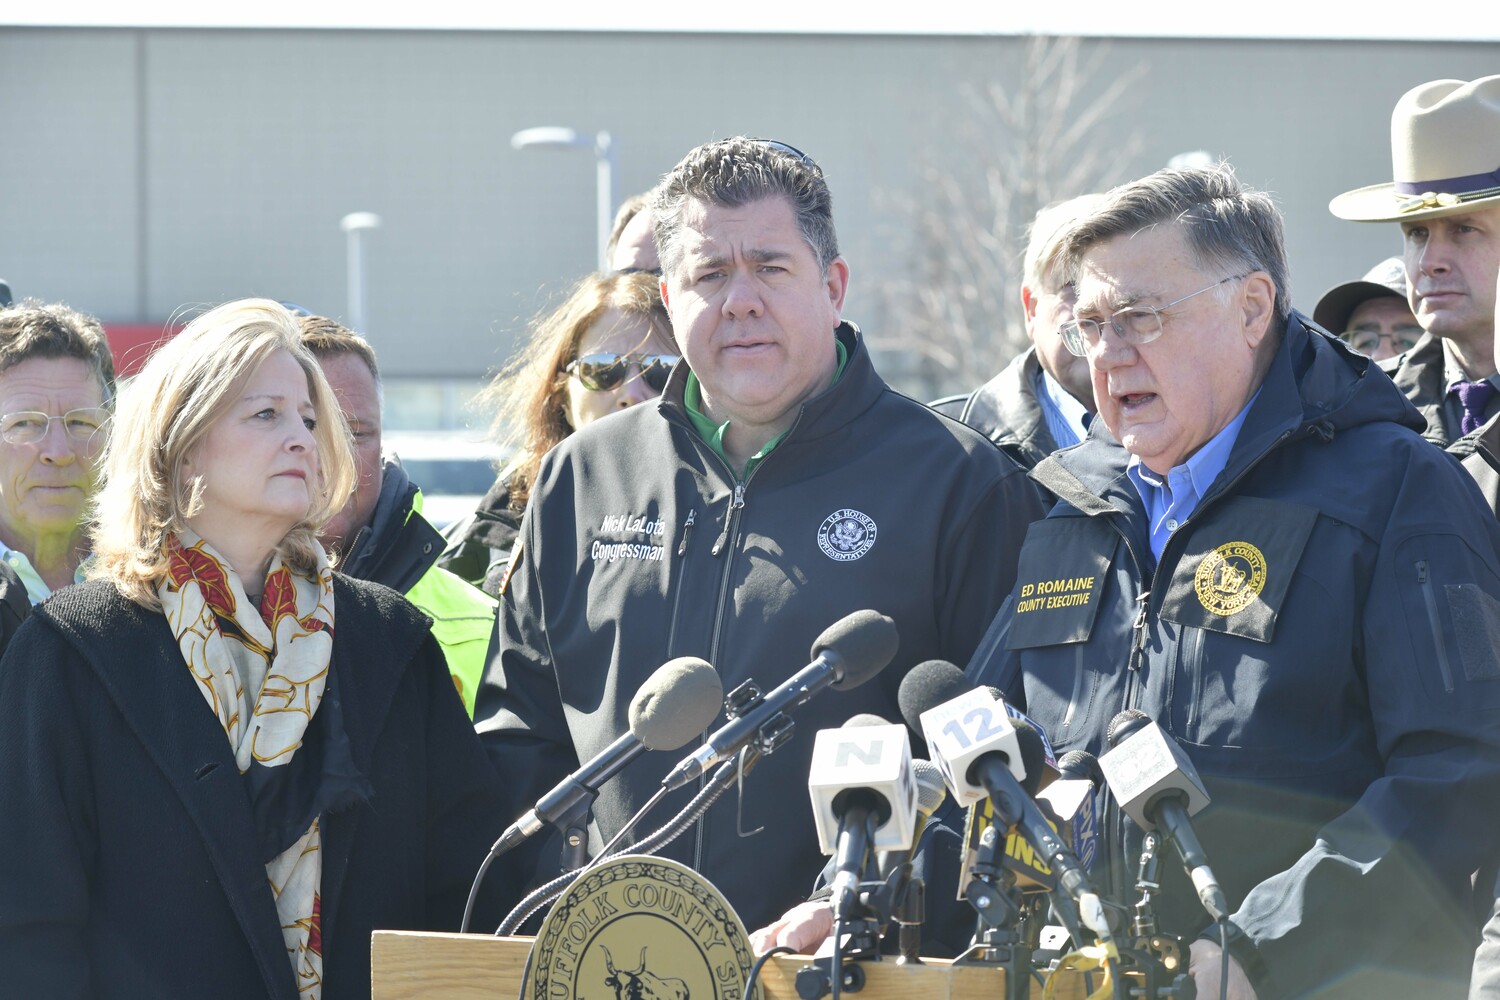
x=1371, y=315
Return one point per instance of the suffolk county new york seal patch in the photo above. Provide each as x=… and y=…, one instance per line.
x=1230, y=577
x=640, y=928
x=845, y=535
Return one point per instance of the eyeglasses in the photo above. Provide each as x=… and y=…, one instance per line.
x=603, y=372
x=1136, y=325
x=30, y=426
x=1369, y=341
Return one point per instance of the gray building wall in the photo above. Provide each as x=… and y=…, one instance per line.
x=148, y=170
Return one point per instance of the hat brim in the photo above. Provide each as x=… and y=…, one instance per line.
x=1377, y=203
x=1338, y=303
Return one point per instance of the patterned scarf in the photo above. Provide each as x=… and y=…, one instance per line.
x=265, y=675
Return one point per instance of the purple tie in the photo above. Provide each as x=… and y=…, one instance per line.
x=1473, y=397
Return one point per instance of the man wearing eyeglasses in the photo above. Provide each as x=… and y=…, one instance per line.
x=778, y=486
x=1267, y=559
x=1371, y=315
x=56, y=381
x=1445, y=150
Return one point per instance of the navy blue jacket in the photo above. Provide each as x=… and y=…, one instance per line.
x=1321, y=637
x=128, y=857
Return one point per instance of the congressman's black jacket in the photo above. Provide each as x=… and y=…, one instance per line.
x=640, y=545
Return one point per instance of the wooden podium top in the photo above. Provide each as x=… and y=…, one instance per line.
x=408, y=965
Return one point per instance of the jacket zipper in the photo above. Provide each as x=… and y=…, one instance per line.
x=731, y=524
x=687, y=530
x=1436, y=622
x=725, y=542
x=1114, y=823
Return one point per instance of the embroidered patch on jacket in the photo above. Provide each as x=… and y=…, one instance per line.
x=1230, y=577
x=845, y=535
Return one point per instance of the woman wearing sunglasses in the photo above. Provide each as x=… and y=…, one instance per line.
x=609, y=346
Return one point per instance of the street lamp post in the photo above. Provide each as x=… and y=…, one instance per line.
x=604, y=163
x=354, y=225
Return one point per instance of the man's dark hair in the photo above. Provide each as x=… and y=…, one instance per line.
x=32, y=329
x=734, y=172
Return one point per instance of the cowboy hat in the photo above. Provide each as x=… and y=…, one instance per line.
x=1445, y=154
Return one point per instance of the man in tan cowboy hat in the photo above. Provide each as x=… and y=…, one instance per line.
x=1445, y=150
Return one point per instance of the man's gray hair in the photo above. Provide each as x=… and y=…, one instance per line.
x=1043, y=267
x=1227, y=225
x=738, y=171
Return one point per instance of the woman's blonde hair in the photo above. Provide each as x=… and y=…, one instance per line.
x=167, y=409
x=530, y=396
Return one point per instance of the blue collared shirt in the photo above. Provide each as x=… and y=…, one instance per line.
x=1066, y=417
x=1171, y=501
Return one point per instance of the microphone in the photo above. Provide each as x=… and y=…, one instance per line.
x=848, y=653
x=676, y=703
x=1069, y=805
x=863, y=798
x=931, y=791
x=1073, y=802
x=982, y=752
x=1157, y=786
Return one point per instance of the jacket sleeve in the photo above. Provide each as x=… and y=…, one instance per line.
x=1386, y=878
x=979, y=568
x=46, y=819
x=519, y=712
x=465, y=813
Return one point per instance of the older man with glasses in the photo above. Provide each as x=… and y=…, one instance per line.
x=778, y=486
x=1289, y=580
x=57, y=379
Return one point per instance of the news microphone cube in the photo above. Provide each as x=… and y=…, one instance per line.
x=876, y=759
x=960, y=731
x=1072, y=802
x=1147, y=765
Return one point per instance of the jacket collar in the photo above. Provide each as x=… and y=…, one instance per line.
x=159, y=701
x=819, y=415
x=1005, y=410
x=1316, y=385
x=398, y=545
x=1421, y=375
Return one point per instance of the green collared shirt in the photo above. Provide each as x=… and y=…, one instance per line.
x=713, y=434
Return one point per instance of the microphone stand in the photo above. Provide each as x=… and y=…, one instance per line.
x=1160, y=959
x=996, y=899
x=574, y=826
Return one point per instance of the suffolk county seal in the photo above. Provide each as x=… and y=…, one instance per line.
x=1230, y=578
x=640, y=928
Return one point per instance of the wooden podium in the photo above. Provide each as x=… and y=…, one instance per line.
x=408, y=965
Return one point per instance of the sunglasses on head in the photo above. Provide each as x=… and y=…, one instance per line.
x=603, y=372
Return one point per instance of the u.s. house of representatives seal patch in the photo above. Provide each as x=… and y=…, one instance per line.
x=845, y=535
x=1230, y=578
x=640, y=928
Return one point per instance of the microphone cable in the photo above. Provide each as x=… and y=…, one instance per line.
x=721, y=781
x=760, y=963
x=1223, y=923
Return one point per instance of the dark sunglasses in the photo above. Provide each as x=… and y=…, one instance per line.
x=603, y=372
